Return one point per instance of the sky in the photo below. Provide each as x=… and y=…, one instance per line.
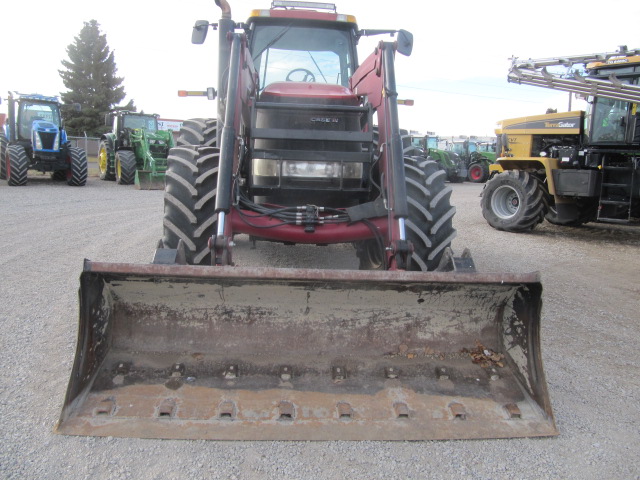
x=456, y=75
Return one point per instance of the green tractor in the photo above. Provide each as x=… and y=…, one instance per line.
x=135, y=151
x=477, y=156
x=450, y=162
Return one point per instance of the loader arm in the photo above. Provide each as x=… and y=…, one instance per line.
x=375, y=80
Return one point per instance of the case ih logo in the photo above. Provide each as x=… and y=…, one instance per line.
x=324, y=120
x=559, y=125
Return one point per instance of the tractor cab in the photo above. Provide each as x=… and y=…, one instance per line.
x=614, y=121
x=139, y=120
x=300, y=45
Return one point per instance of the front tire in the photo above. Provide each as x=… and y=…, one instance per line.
x=125, y=167
x=77, y=176
x=429, y=226
x=17, y=165
x=3, y=156
x=513, y=201
x=106, y=166
x=189, y=201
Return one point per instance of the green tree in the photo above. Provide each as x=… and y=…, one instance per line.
x=90, y=74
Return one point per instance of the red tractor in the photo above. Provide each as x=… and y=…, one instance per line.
x=306, y=148
x=292, y=155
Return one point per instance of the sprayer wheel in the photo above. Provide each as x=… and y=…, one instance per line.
x=189, y=201
x=514, y=201
x=429, y=227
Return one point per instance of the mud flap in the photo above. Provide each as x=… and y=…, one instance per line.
x=148, y=180
x=235, y=353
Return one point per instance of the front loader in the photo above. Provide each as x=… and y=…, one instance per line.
x=415, y=345
x=135, y=151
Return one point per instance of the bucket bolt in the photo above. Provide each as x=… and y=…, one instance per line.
x=123, y=368
x=231, y=372
x=338, y=373
x=391, y=372
x=285, y=373
x=442, y=373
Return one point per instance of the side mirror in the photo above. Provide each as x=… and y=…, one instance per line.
x=404, y=44
x=108, y=119
x=199, y=33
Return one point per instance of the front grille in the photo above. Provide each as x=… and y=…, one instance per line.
x=47, y=139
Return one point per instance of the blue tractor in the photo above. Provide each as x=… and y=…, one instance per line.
x=34, y=139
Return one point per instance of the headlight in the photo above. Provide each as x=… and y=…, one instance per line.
x=352, y=170
x=265, y=168
x=56, y=142
x=310, y=169
x=301, y=169
x=38, y=141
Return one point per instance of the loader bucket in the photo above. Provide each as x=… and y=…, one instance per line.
x=149, y=180
x=231, y=353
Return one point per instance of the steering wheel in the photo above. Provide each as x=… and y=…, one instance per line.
x=308, y=75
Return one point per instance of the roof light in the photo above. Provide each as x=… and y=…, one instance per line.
x=346, y=18
x=294, y=4
x=260, y=13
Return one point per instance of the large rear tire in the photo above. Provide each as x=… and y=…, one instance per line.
x=3, y=156
x=429, y=226
x=106, y=167
x=514, y=201
x=17, y=165
x=125, y=167
x=189, y=201
x=78, y=168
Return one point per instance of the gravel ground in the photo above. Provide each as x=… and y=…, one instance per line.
x=590, y=341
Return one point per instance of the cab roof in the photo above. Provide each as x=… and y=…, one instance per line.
x=298, y=10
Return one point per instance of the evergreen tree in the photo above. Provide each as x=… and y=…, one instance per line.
x=90, y=76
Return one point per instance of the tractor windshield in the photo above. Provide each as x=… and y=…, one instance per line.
x=30, y=112
x=487, y=147
x=140, y=121
x=302, y=54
